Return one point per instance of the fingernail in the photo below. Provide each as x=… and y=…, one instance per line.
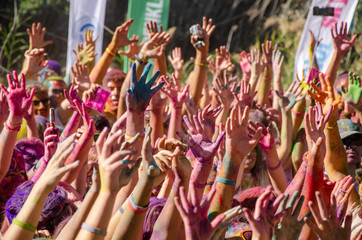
x=124, y=161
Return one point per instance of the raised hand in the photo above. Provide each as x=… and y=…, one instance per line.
x=194, y=214
x=56, y=169
x=207, y=119
x=289, y=227
x=224, y=91
x=81, y=76
x=342, y=190
x=239, y=141
x=88, y=38
x=245, y=97
x=19, y=101
x=315, y=123
x=175, y=94
x=207, y=29
x=327, y=225
x=36, y=36
x=354, y=93
x=245, y=64
x=4, y=108
x=340, y=42
x=200, y=145
x=266, y=140
x=181, y=166
x=325, y=95
x=34, y=63
x=51, y=140
x=85, y=55
x=148, y=168
x=271, y=113
x=72, y=96
x=176, y=59
x=223, y=59
x=120, y=38
x=111, y=164
x=140, y=92
x=264, y=218
x=256, y=62
x=278, y=60
x=268, y=53
x=154, y=47
x=133, y=47
x=290, y=97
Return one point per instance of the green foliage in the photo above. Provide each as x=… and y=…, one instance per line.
x=15, y=45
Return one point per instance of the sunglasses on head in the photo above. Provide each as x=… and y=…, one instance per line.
x=45, y=102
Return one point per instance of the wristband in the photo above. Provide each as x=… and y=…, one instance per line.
x=110, y=52
x=199, y=185
x=24, y=225
x=331, y=128
x=134, y=207
x=297, y=114
x=274, y=168
x=200, y=64
x=15, y=129
x=225, y=181
x=139, y=59
x=94, y=230
x=129, y=138
x=121, y=209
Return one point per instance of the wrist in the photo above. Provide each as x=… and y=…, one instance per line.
x=113, y=47
x=143, y=56
x=14, y=120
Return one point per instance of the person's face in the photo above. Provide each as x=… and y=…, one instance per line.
x=352, y=151
x=56, y=92
x=250, y=160
x=115, y=88
x=41, y=105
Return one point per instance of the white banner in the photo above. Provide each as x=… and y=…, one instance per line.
x=84, y=14
x=343, y=11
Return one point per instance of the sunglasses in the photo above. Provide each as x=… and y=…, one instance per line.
x=95, y=138
x=57, y=91
x=45, y=102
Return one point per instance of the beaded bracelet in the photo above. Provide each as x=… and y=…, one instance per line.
x=110, y=52
x=274, y=168
x=134, y=207
x=24, y=225
x=225, y=181
x=94, y=230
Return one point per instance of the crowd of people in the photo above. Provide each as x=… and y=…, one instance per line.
x=137, y=155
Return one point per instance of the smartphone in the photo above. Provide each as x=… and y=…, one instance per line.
x=323, y=11
x=197, y=31
x=51, y=117
x=99, y=100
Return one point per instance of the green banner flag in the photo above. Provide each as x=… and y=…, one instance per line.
x=143, y=11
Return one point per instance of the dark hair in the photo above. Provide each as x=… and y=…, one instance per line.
x=100, y=122
x=55, y=208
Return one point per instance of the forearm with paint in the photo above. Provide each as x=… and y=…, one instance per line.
x=71, y=126
x=169, y=222
x=297, y=183
x=285, y=148
x=297, y=116
x=275, y=170
x=175, y=122
x=265, y=85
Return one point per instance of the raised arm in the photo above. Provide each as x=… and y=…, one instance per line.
x=341, y=46
x=119, y=40
x=177, y=97
x=238, y=144
x=19, y=103
x=24, y=225
x=198, y=77
x=115, y=172
x=265, y=84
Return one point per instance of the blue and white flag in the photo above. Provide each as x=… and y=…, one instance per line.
x=84, y=14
